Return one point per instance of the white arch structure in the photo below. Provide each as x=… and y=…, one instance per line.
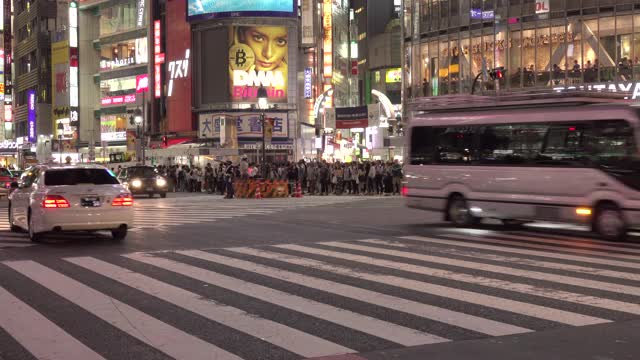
x=389, y=111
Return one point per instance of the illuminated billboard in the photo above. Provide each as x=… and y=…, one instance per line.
x=207, y=9
x=258, y=56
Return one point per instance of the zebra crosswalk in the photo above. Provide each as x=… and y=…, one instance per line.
x=302, y=300
x=185, y=211
x=163, y=213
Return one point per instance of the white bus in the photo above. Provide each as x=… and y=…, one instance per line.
x=568, y=160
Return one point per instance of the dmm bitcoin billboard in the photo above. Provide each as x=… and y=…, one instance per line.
x=258, y=56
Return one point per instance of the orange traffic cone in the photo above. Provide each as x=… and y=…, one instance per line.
x=258, y=193
x=298, y=190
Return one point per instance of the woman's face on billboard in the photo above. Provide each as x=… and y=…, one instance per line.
x=269, y=44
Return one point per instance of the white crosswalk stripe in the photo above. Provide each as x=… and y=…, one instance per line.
x=170, y=212
x=184, y=211
x=318, y=299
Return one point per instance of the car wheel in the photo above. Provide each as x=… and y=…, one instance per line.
x=119, y=233
x=33, y=236
x=609, y=223
x=163, y=195
x=458, y=212
x=150, y=195
x=12, y=226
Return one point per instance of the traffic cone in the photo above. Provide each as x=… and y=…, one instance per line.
x=298, y=190
x=258, y=193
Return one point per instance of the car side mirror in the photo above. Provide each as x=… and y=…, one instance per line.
x=14, y=185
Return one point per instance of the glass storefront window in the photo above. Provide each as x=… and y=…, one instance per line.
x=514, y=68
x=636, y=47
x=607, y=56
x=118, y=18
x=407, y=18
x=476, y=53
x=424, y=67
x=559, y=64
x=465, y=63
x=529, y=57
x=415, y=69
x=543, y=54
x=424, y=14
x=116, y=87
x=624, y=51
x=434, y=66
x=590, y=50
x=127, y=53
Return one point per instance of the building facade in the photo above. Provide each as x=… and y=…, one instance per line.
x=539, y=43
x=34, y=23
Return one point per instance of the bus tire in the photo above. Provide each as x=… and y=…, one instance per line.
x=458, y=212
x=609, y=223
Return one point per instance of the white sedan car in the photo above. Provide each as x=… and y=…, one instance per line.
x=70, y=198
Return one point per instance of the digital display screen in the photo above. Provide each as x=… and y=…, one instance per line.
x=206, y=9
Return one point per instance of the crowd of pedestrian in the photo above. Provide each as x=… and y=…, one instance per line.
x=314, y=177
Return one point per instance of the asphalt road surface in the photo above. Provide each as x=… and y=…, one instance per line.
x=347, y=278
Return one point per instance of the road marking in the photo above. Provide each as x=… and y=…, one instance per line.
x=569, y=240
x=446, y=316
x=579, y=245
x=557, y=252
x=519, y=259
x=285, y=337
x=37, y=334
x=490, y=301
x=151, y=331
x=382, y=329
x=537, y=275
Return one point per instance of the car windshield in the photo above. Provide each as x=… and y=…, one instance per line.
x=144, y=172
x=4, y=172
x=55, y=177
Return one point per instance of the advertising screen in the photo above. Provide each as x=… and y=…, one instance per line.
x=258, y=56
x=199, y=9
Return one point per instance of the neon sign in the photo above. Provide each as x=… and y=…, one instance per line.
x=31, y=115
x=630, y=90
x=158, y=60
x=178, y=69
x=327, y=25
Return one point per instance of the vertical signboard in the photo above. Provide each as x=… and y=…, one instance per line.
x=140, y=5
x=1, y=75
x=327, y=43
x=308, y=83
x=74, y=64
x=6, y=20
x=158, y=59
x=31, y=116
x=60, y=87
x=308, y=23
x=178, y=73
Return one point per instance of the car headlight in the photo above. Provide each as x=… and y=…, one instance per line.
x=136, y=183
x=161, y=182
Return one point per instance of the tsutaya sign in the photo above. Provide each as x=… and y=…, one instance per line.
x=630, y=89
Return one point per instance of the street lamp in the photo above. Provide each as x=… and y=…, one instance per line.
x=60, y=130
x=138, y=119
x=263, y=104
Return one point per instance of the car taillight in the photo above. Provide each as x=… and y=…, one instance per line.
x=55, y=201
x=122, y=200
x=7, y=185
x=405, y=191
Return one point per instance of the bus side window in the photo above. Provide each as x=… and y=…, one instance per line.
x=612, y=145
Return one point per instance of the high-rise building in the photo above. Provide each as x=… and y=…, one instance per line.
x=33, y=26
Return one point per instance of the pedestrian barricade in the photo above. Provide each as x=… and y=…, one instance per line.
x=246, y=189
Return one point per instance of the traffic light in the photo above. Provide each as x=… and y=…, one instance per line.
x=497, y=73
